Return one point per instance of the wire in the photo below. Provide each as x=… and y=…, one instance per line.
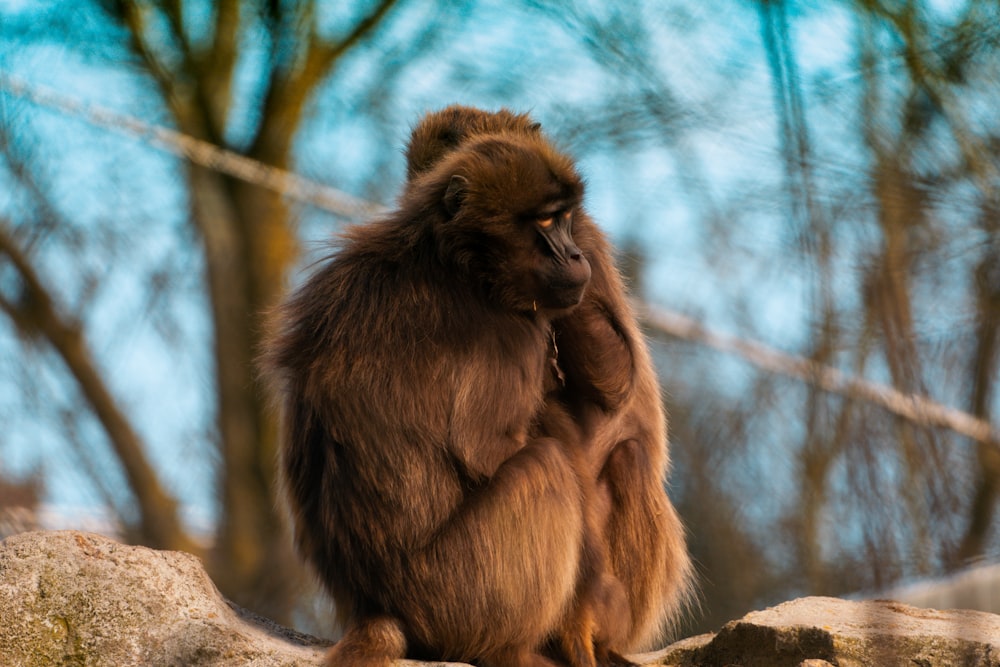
x=913, y=407
x=200, y=152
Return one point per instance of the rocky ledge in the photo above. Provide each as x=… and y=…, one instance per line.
x=72, y=598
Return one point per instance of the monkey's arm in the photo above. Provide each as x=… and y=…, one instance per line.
x=488, y=421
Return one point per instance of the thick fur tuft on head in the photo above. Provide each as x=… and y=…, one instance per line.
x=442, y=131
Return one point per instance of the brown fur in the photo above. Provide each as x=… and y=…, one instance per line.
x=611, y=390
x=412, y=370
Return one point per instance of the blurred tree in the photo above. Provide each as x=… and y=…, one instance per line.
x=193, y=53
x=826, y=183
x=886, y=215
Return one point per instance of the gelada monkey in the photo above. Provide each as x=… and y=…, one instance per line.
x=412, y=369
x=606, y=368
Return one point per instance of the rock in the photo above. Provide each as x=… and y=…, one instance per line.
x=72, y=598
x=817, y=631
x=977, y=587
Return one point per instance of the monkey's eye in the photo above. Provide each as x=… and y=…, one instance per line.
x=545, y=223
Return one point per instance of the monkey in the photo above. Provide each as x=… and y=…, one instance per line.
x=411, y=370
x=608, y=382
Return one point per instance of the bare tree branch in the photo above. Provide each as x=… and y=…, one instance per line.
x=288, y=91
x=918, y=54
x=35, y=313
x=202, y=153
x=909, y=406
x=131, y=15
x=912, y=407
x=215, y=86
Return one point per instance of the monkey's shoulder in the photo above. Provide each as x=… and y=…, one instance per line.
x=406, y=303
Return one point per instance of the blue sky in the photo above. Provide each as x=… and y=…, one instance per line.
x=641, y=200
x=656, y=199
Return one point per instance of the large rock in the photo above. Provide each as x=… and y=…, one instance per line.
x=71, y=598
x=818, y=631
x=977, y=587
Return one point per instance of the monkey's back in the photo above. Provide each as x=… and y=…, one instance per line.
x=383, y=356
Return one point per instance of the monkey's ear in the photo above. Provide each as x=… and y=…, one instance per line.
x=455, y=193
x=535, y=127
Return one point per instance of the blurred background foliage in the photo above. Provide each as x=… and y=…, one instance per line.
x=818, y=176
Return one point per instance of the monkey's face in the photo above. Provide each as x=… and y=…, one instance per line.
x=512, y=202
x=562, y=272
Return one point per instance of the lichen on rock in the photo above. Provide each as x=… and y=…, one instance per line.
x=72, y=598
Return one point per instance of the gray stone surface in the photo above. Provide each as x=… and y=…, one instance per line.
x=814, y=631
x=72, y=598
